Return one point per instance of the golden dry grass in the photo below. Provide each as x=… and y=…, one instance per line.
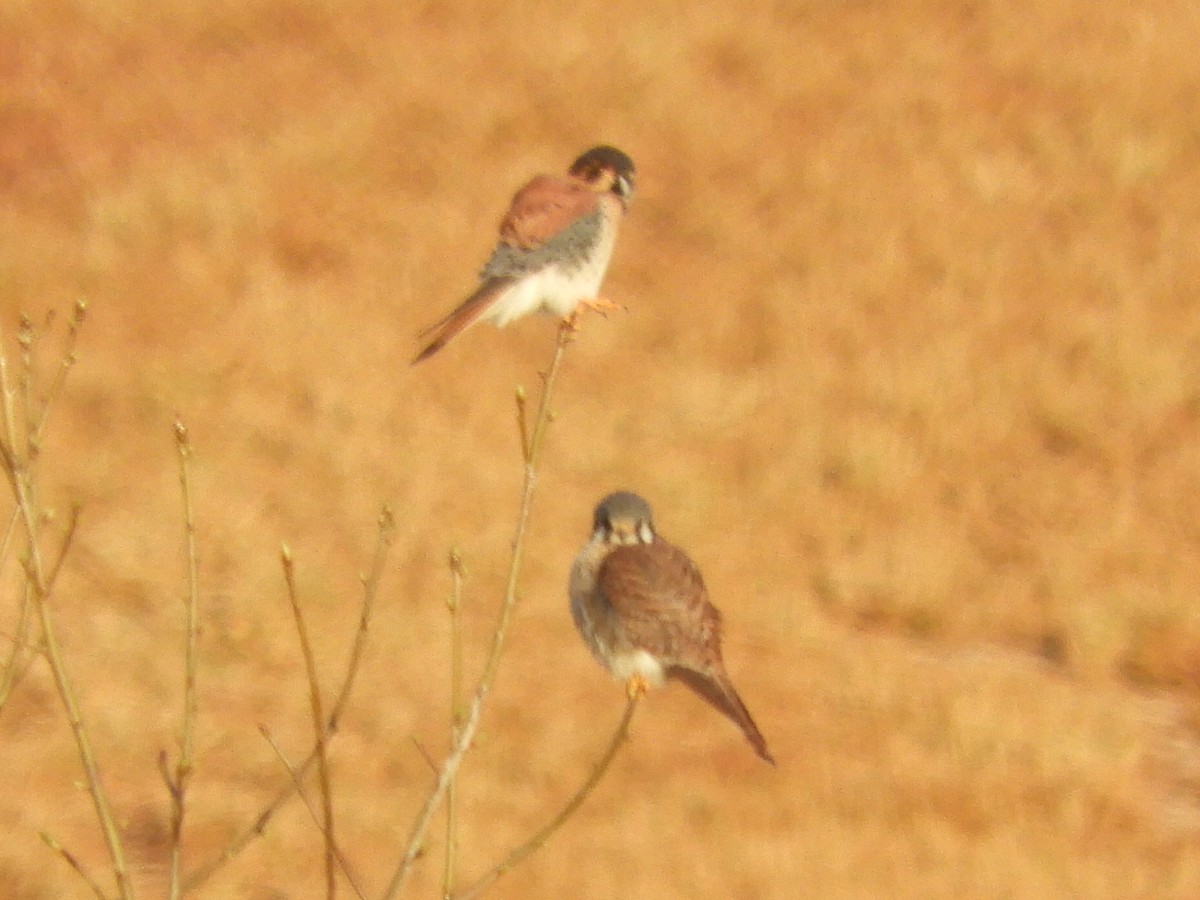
x=910, y=370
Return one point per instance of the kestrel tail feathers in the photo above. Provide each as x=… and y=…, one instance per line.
x=718, y=692
x=462, y=316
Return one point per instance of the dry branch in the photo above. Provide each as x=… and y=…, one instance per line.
x=314, y=696
x=453, y=604
x=343, y=863
x=449, y=767
x=178, y=783
x=18, y=450
x=539, y=839
x=383, y=542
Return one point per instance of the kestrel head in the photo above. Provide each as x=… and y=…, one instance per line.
x=603, y=169
x=623, y=518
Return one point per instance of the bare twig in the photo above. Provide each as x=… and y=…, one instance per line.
x=314, y=696
x=26, y=338
x=424, y=754
x=453, y=603
x=317, y=820
x=16, y=463
x=10, y=531
x=522, y=423
x=178, y=784
x=63, y=548
x=73, y=861
x=17, y=664
x=466, y=734
x=383, y=542
x=22, y=651
x=540, y=838
x=16, y=667
x=66, y=361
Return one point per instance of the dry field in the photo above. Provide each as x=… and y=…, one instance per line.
x=910, y=368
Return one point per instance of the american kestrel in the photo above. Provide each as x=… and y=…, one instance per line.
x=555, y=244
x=642, y=608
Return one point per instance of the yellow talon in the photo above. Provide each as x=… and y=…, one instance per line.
x=600, y=305
x=636, y=687
x=603, y=305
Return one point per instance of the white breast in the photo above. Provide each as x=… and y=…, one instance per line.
x=556, y=290
x=638, y=662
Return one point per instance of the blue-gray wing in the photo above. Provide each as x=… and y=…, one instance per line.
x=550, y=220
x=570, y=246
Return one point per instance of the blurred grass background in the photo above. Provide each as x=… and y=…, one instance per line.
x=910, y=370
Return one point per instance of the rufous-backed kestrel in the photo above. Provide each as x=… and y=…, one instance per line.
x=642, y=608
x=555, y=244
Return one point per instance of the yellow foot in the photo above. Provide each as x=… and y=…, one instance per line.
x=602, y=305
x=636, y=687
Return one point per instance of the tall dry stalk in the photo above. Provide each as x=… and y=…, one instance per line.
x=177, y=782
x=385, y=532
x=318, y=716
x=532, y=443
x=445, y=784
x=21, y=427
x=22, y=424
x=539, y=838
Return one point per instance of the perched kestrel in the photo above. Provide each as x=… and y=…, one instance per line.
x=642, y=608
x=555, y=244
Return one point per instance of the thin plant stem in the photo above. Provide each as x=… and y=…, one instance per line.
x=25, y=340
x=73, y=861
x=10, y=531
x=177, y=786
x=522, y=423
x=15, y=668
x=16, y=665
x=16, y=467
x=66, y=361
x=318, y=716
x=63, y=548
x=429, y=760
x=383, y=543
x=537, y=840
x=454, y=758
x=454, y=602
x=303, y=795
x=387, y=528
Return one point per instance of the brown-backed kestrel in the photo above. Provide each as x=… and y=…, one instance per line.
x=642, y=608
x=555, y=244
